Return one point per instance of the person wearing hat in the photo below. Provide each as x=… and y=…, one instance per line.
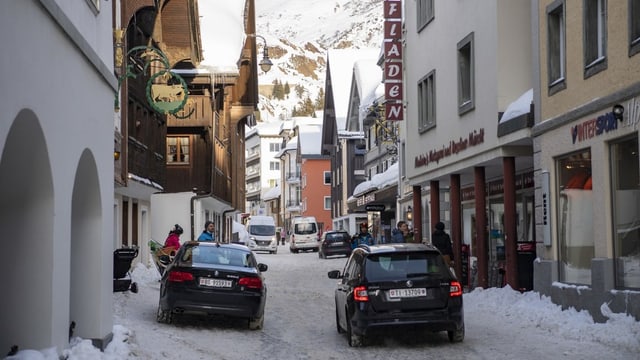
x=208, y=234
x=173, y=240
x=442, y=241
x=363, y=237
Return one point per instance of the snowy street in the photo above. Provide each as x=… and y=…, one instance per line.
x=300, y=324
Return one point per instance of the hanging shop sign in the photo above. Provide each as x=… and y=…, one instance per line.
x=375, y=207
x=166, y=92
x=392, y=46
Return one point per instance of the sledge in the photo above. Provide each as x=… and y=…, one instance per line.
x=162, y=256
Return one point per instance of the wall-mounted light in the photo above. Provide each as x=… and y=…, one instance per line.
x=116, y=155
x=409, y=213
x=618, y=111
x=265, y=63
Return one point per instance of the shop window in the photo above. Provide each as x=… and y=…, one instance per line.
x=178, y=150
x=575, y=217
x=625, y=182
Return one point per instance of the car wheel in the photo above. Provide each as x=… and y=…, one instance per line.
x=256, y=323
x=456, y=335
x=164, y=316
x=353, y=339
x=340, y=329
x=134, y=288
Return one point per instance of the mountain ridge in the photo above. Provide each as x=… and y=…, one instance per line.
x=299, y=33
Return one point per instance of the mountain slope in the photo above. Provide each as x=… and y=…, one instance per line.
x=298, y=35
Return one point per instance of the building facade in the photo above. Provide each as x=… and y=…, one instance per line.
x=465, y=163
x=56, y=171
x=586, y=154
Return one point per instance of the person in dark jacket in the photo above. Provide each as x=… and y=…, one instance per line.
x=442, y=241
x=208, y=234
x=401, y=233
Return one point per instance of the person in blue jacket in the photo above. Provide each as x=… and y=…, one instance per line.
x=363, y=237
x=400, y=233
x=208, y=234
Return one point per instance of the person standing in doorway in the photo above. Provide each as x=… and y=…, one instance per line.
x=442, y=241
x=209, y=232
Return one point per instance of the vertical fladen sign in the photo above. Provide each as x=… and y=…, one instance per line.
x=392, y=47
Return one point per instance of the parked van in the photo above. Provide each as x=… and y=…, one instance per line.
x=262, y=234
x=304, y=234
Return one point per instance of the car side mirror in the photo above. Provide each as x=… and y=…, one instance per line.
x=262, y=267
x=334, y=274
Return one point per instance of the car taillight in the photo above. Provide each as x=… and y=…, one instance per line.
x=455, y=289
x=180, y=276
x=250, y=282
x=360, y=294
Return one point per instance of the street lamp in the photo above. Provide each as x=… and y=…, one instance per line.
x=265, y=63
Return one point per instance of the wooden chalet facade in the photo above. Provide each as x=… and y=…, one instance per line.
x=199, y=149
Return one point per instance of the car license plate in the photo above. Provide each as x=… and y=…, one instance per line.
x=215, y=283
x=407, y=293
x=336, y=244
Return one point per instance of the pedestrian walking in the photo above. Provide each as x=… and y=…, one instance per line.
x=442, y=241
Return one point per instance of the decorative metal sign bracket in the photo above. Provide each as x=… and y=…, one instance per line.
x=166, y=92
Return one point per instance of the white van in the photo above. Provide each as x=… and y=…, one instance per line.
x=304, y=234
x=262, y=234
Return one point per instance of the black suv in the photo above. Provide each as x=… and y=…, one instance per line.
x=392, y=285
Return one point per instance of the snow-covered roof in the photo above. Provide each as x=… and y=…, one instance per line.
x=521, y=106
x=221, y=49
x=272, y=193
x=368, y=78
x=378, y=181
x=340, y=65
x=309, y=139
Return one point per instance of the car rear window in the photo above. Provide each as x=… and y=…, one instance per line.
x=215, y=255
x=337, y=237
x=403, y=265
x=305, y=228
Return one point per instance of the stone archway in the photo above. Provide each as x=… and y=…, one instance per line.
x=86, y=274
x=26, y=221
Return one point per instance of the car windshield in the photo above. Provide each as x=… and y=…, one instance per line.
x=217, y=255
x=262, y=230
x=305, y=228
x=403, y=265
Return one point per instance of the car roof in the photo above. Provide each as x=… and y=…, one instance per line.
x=213, y=243
x=397, y=248
x=336, y=232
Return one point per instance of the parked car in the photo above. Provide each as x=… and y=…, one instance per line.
x=334, y=243
x=395, y=285
x=214, y=279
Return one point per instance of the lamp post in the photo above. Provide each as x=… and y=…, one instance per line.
x=265, y=63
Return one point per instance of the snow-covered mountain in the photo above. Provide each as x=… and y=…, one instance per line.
x=299, y=33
